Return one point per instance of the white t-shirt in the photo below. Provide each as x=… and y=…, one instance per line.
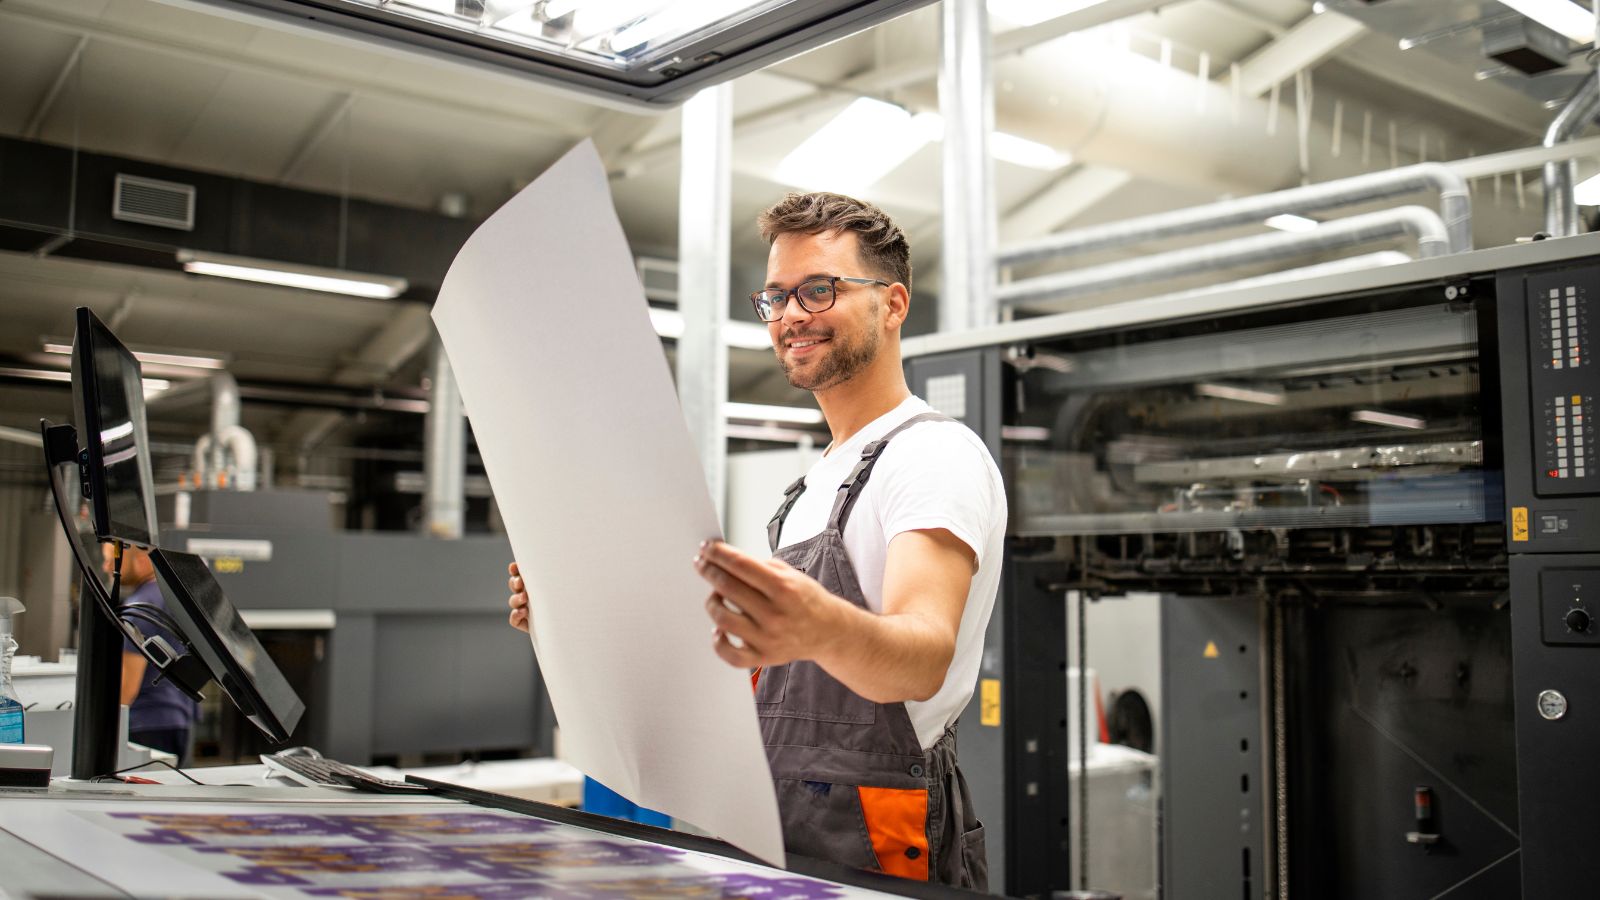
x=932, y=475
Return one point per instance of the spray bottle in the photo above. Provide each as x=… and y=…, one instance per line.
x=10, y=706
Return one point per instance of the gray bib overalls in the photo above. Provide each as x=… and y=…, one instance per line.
x=853, y=782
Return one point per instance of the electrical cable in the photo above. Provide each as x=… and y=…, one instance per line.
x=153, y=762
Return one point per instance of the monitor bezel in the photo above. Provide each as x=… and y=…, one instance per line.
x=239, y=684
x=92, y=333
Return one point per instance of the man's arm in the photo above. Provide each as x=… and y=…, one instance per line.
x=780, y=614
x=133, y=665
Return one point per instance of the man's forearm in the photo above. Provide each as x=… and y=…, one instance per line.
x=889, y=658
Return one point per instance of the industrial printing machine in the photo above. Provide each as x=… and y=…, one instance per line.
x=1374, y=499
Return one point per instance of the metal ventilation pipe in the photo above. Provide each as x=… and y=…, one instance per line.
x=1560, y=205
x=1455, y=208
x=229, y=448
x=444, y=464
x=1419, y=222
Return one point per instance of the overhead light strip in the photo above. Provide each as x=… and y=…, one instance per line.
x=151, y=357
x=310, y=278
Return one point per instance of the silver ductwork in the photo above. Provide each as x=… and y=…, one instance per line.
x=1455, y=209
x=444, y=463
x=226, y=456
x=1560, y=205
x=1424, y=224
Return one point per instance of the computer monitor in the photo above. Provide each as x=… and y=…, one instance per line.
x=109, y=453
x=226, y=645
x=108, y=396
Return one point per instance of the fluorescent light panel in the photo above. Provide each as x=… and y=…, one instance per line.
x=1241, y=394
x=761, y=412
x=1291, y=222
x=1561, y=16
x=310, y=278
x=1393, y=420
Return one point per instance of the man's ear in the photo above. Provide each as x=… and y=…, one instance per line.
x=899, y=305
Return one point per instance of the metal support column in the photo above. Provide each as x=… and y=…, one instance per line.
x=704, y=223
x=444, y=465
x=967, y=293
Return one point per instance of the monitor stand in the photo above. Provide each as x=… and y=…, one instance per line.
x=97, y=707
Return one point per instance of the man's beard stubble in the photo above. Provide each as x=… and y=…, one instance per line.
x=843, y=361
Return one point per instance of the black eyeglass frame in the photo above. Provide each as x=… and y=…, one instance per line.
x=783, y=295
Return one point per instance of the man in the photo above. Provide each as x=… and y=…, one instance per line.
x=865, y=630
x=160, y=716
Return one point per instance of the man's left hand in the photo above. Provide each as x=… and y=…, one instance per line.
x=777, y=613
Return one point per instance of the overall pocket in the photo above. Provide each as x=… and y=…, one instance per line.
x=825, y=821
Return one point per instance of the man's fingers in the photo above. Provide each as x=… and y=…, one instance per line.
x=751, y=600
x=746, y=568
x=742, y=658
x=519, y=619
x=727, y=618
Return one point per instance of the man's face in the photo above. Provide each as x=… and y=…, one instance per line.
x=820, y=350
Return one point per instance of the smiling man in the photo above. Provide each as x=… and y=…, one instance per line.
x=866, y=626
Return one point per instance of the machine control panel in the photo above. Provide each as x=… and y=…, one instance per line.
x=1569, y=606
x=1565, y=381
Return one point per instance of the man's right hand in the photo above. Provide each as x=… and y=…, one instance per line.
x=518, y=600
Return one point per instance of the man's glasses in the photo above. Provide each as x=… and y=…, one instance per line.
x=815, y=295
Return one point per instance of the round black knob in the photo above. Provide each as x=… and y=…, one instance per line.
x=1578, y=620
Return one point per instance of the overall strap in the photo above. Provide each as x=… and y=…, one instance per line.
x=775, y=525
x=845, y=499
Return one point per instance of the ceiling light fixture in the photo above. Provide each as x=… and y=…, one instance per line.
x=1587, y=193
x=761, y=412
x=150, y=357
x=1241, y=394
x=1393, y=420
x=310, y=278
x=1562, y=16
x=1291, y=222
x=856, y=148
x=668, y=323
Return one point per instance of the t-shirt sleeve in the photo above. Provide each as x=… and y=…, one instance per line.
x=940, y=480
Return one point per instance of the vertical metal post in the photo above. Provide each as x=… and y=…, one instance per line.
x=444, y=464
x=704, y=228
x=967, y=296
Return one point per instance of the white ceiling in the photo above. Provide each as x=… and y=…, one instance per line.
x=172, y=83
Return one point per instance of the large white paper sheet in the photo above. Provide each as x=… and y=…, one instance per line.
x=605, y=503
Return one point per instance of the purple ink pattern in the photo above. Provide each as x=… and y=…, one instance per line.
x=189, y=829
x=698, y=887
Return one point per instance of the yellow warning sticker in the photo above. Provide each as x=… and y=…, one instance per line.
x=229, y=565
x=989, y=702
x=1519, y=523
x=1211, y=650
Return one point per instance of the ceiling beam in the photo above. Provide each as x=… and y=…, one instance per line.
x=336, y=114
x=375, y=359
x=1423, y=73
x=1304, y=46
x=1062, y=201
x=48, y=101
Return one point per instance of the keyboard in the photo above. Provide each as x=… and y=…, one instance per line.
x=316, y=771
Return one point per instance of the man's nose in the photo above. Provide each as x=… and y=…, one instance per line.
x=793, y=312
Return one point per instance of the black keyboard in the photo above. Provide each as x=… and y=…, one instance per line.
x=319, y=772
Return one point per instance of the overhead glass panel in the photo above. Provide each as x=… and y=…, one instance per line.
x=642, y=52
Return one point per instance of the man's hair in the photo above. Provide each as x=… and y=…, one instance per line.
x=883, y=245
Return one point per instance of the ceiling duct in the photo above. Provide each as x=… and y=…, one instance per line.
x=150, y=201
x=1560, y=204
x=1525, y=45
x=52, y=201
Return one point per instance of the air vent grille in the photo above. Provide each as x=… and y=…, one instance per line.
x=152, y=202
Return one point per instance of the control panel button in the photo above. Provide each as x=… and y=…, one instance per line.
x=1578, y=620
